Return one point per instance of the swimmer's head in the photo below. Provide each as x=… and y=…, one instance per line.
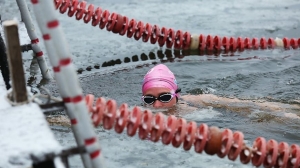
x=160, y=83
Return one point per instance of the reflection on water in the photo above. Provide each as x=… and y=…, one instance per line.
x=168, y=55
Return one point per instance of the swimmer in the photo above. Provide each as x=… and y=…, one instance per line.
x=160, y=90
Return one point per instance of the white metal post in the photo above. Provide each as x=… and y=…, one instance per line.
x=68, y=83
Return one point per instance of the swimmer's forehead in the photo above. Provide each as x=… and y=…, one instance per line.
x=156, y=91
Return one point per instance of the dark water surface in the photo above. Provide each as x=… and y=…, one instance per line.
x=269, y=74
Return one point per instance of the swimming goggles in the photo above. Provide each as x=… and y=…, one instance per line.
x=164, y=98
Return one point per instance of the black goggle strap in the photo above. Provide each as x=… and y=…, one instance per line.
x=177, y=91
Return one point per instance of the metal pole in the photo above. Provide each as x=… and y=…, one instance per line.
x=34, y=39
x=67, y=80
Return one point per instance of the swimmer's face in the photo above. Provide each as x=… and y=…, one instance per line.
x=156, y=92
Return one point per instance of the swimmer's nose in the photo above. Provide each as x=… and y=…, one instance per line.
x=157, y=104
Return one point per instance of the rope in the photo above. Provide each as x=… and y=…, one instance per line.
x=177, y=131
x=122, y=25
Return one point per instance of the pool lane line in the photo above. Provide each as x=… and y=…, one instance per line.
x=177, y=39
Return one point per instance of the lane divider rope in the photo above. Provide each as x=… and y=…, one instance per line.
x=122, y=25
x=177, y=131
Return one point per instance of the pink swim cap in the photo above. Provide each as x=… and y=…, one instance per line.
x=160, y=76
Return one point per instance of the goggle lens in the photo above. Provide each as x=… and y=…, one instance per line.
x=165, y=98
x=149, y=100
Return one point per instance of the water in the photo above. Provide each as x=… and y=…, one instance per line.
x=251, y=79
x=274, y=76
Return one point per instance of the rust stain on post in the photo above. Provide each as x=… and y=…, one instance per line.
x=15, y=61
